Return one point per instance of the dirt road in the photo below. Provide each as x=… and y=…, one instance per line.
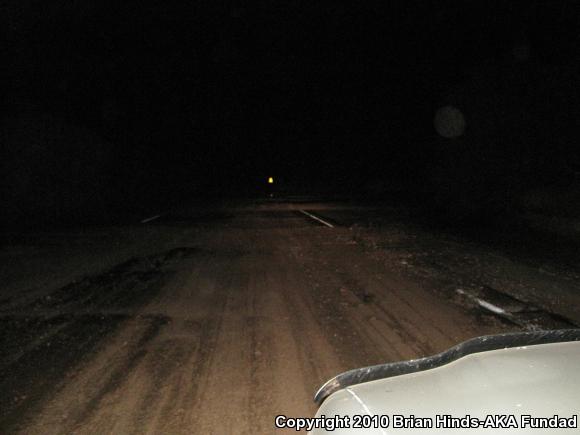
x=237, y=316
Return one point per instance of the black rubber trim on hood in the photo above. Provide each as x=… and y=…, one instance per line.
x=475, y=345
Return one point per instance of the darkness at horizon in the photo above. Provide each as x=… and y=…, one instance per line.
x=116, y=103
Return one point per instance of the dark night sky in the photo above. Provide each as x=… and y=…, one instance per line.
x=327, y=89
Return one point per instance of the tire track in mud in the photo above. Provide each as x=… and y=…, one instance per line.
x=148, y=386
x=259, y=324
x=381, y=321
x=116, y=377
x=313, y=352
x=38, y=373
x=225, y=371
x=350, y=324
x=44, y=339
x=188, y=394
x=314, y=337
x=169, y=400
x=409, y=340
x=261, y=374
x=352, y=341
x=293, y=354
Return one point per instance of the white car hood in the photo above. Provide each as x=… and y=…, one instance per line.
x=540, y=380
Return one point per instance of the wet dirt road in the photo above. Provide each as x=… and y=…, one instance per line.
x=238, y=316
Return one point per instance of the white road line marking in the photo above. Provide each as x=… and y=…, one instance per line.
x=152, y=218
x=316, y=218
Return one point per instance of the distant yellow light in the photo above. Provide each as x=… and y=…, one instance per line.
x=270, y=180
